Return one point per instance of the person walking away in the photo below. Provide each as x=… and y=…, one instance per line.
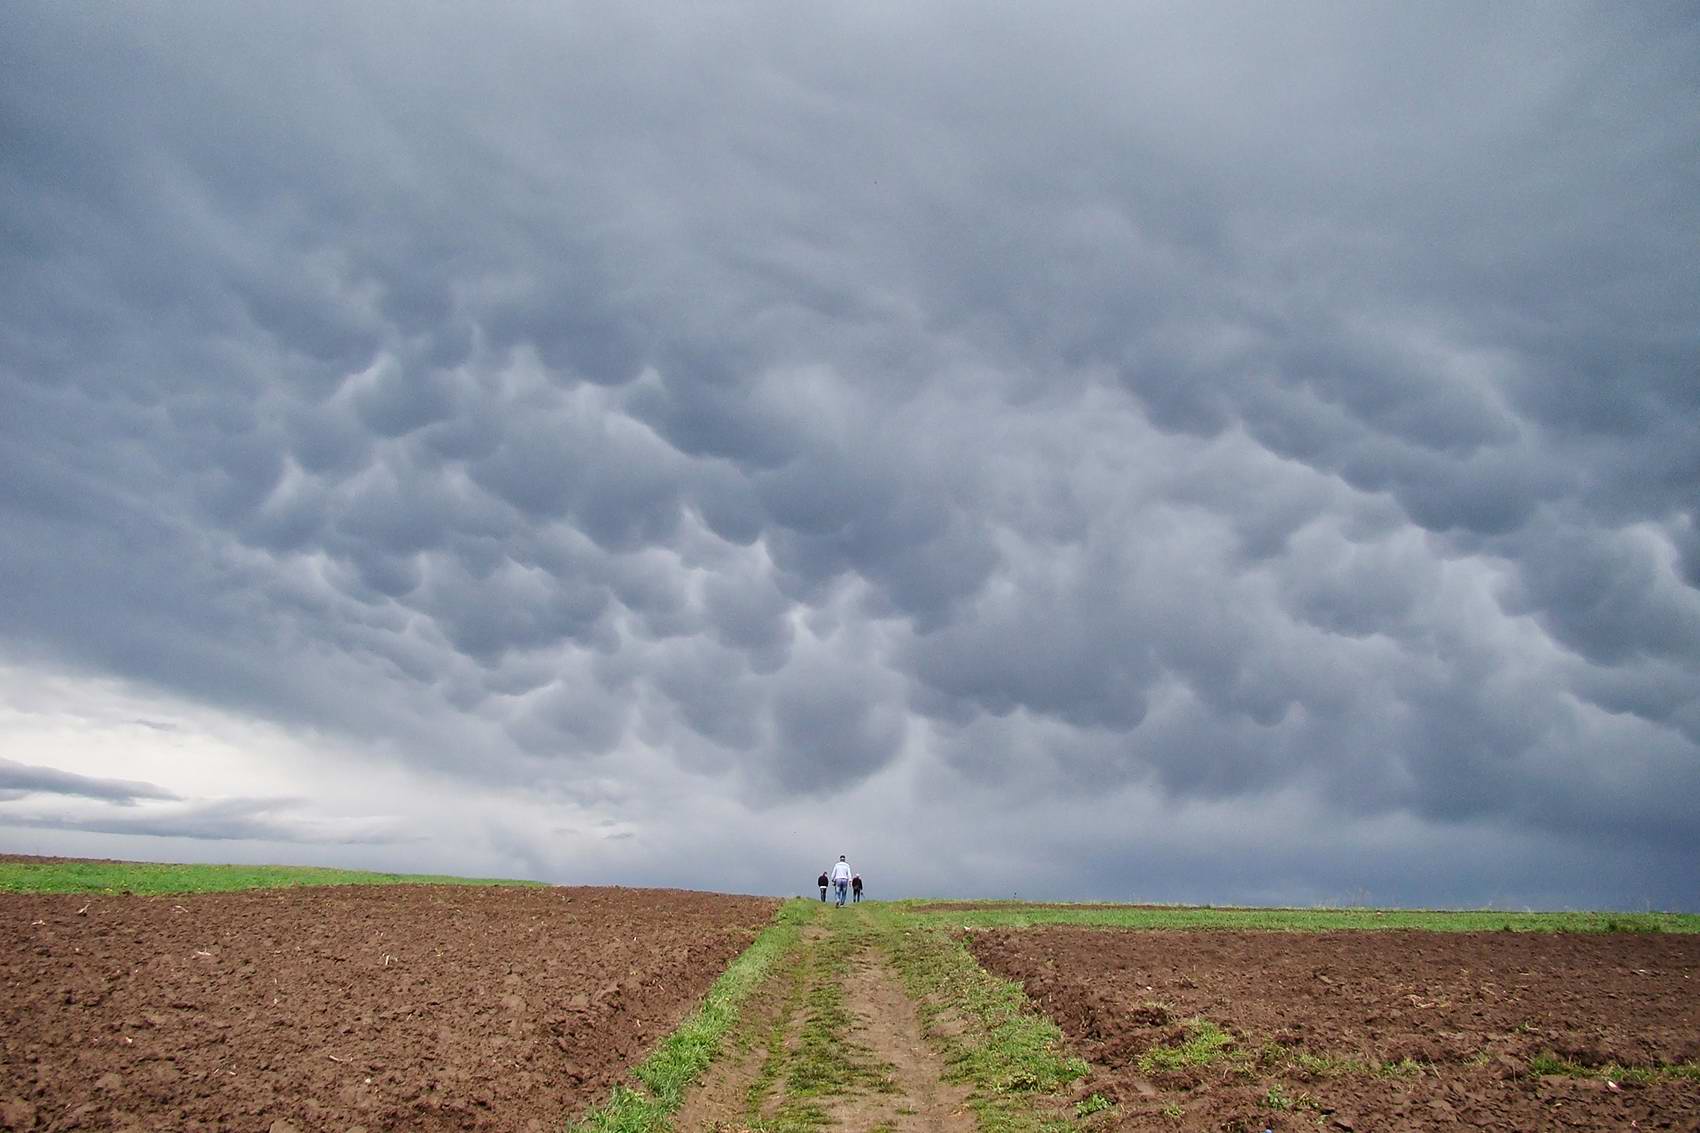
x=841, y=879
x=856, y=887
x=822, y=884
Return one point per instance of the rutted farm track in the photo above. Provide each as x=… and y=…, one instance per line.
x=408, y=1007
x=831, y=1043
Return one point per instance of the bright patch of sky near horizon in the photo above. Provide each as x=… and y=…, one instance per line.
x=1231, y=454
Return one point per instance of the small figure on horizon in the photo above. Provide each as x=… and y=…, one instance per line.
x=855, y=887
x=841, y=879
x=822, y=884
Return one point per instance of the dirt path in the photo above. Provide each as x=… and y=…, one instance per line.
x=831, y=1043
x=889, y=1026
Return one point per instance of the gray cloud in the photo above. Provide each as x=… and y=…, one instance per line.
x=218, y=820
x=20, y=779
x=719, y=416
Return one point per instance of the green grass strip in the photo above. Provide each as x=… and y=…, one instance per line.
x=687, y=1052
x=151, y=878
x=1551, y=1064
x=1013, y=1058
x=1016, y=915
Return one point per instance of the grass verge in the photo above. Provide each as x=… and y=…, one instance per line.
x=681, y=1058
x=1017, y=915
x=150, y=878
x=1012, y=1058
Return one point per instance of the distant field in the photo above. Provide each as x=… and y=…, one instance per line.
x=1011, y=914
x=51, y=875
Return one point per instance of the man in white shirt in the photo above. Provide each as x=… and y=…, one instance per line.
x=841, y=878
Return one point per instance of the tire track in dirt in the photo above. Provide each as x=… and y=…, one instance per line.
x=722, y=1102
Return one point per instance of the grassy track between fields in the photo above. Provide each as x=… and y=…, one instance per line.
x=820, y=1060
x=1017, y=915
x=150, y=878
x=1013, y=1059
x=683, y=1056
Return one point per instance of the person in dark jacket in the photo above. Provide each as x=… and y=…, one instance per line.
x=855, y=887
x=822, y=884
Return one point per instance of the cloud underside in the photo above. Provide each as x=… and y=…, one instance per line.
x=276, y=821
x=773, y=404
x=50, y=799
x=18, y=779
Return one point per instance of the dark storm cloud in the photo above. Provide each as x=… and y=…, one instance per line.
x=18, y=779
x=1210, y=404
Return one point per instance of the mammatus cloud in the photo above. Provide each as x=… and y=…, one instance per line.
x=1208, y=416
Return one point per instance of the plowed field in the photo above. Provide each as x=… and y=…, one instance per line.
x=1383, y=1031
x=406, y=1007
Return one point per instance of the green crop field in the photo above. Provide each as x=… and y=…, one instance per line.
x=1014, y=914
x=49, y=876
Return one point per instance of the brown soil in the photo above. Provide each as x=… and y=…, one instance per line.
x=1471, y=1008
x=404, y=1007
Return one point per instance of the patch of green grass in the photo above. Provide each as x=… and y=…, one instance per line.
x=1322, y=1065
x=1097, y=1103
x=1274, y=1056
x=1205, y=1043
x=1543, y=1064
x=1548, y=1064
x=1017, y=915
x=1172, y=1109
x=150, y=878
x=1630, y=924
x=1013, y=1059
x=687, y=1052
x=1278, y=1098
x=1404, y=1068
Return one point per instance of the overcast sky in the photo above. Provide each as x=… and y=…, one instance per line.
x=1181, y=452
